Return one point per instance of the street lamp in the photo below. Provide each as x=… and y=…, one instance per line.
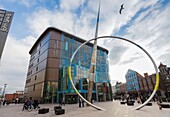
x=53, y=93
x=3, y=91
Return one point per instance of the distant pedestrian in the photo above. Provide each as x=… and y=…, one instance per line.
x=138, y=100
x=159, y=101
x=127, y=98
x=60, y=102
x=35, y=104
x=4, y=102
x=80, y=101
x=0, y=103
x=63, y=101
x=25, y=106
x=15, y=101
x=92, y=101
x=30, y=102
x=142, y=99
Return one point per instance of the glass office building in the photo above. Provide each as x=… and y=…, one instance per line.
x=49, y=62
x=132, y=80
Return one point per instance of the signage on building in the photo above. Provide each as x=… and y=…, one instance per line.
x=5, y=22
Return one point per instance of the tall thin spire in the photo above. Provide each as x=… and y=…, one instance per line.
x=93, y=63
x=97, y=22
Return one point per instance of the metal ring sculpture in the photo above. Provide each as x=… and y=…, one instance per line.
x=120, y=38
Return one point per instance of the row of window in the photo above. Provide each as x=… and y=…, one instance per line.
x=2, y=17
x=31, y=65
x=32, y=58
x=164, y=70
x=29, y=80
x=30, y=72
x=43, y=45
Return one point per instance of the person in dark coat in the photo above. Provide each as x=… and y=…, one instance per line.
x=4, y=102
x=80, y=101
x=25, y=106
x=0, y=103
x=63, y=101
x=159, y=101
x=35, y=104
x=60, y=102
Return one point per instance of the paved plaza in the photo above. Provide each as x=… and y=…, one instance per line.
x=112, y=109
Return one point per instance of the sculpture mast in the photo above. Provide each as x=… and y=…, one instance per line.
x=93, y=61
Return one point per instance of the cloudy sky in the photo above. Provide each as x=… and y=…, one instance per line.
x=145, y=22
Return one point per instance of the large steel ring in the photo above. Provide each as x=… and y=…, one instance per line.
x=107, y=37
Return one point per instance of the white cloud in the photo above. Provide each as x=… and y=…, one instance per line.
x=14, y=63
x=64, y=20
x=152, y=31
x=69, y=5
x=27, y=3
x=39, y=21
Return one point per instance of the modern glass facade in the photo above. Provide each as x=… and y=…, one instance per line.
x=80, y=67
x=132, y=83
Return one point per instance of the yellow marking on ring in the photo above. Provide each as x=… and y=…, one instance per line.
x=77, y=92
x=70, y=61
x=69, y=72
x=157, y=82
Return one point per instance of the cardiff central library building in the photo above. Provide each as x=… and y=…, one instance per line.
x=47, y=77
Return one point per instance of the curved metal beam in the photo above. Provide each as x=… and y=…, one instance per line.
x=120, y=38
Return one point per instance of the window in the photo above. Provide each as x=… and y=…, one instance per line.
x=25, y=90
x=39, y=52
x=35, y=77
x=34, y=87
x=36, y=68
x=37, y=60
x=1, y=19
x=29, y=73
x=31, y=65
x=66, y=47
x=28, y=81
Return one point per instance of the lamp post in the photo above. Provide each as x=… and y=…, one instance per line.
x=3, y=93
x=53, y=93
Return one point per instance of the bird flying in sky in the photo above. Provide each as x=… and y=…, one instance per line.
x=121, y=8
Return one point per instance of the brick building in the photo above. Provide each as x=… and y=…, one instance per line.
x=15, y=96
x=165, y=78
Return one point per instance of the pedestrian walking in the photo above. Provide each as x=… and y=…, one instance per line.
x=138, y=100
x=60, y=102
x=159, y=101
x=63, y=101
x=80, y=101
x=35, y=104
x=4, y=102
x=0, y=103
x=25, y=106
x=15, y=101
